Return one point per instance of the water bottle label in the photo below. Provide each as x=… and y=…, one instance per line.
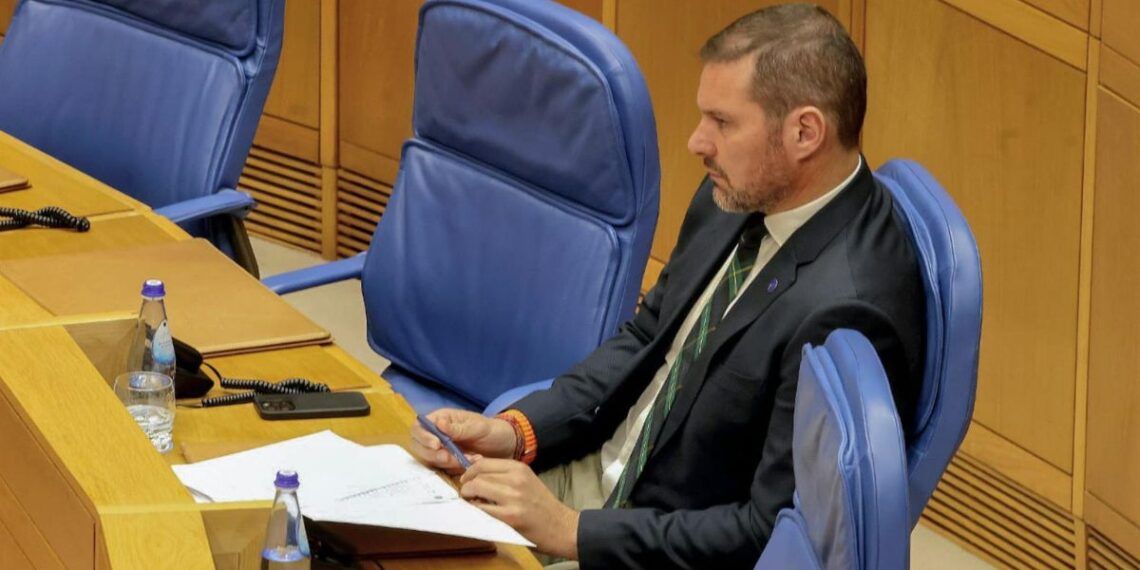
x=162, y=347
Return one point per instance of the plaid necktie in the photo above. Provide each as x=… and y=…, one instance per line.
x=710, y=316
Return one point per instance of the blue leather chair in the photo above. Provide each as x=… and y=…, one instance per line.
x=157, y=98
x=850, y=502
x=952, y=277
x=523, y=212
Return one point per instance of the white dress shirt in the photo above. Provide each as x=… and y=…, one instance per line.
x=616, y=452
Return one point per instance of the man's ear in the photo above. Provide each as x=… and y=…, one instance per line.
x=807, y=130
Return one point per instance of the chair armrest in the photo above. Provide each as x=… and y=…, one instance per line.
x=225, y=201
x=513, y=395
x=316, y=275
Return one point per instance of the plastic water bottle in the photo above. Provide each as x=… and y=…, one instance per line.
x=286, y=545
x=152, y=348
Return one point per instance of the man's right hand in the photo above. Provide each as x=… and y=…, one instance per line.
x=472, y=432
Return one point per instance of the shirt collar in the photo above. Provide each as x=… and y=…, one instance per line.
x=781, y=226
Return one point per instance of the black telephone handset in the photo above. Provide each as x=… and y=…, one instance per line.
x=189, y=380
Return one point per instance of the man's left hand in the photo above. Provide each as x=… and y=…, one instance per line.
x=510, y=491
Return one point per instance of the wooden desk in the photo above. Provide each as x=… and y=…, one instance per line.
x=80, y=485
x=53, y=183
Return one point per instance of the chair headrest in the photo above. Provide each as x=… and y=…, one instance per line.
x=231, y=23
x=502, y=88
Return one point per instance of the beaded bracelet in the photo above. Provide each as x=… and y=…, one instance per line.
x=526, y=444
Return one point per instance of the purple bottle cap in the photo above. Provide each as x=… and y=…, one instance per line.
x=153, y=288
x=287, y=480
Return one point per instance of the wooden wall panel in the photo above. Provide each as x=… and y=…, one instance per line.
x=1114, y=363
x=295, y=95
x=591, y=8
x=1074, y=12
x=666, y=38
x=6, y=8
x=376, y=46
x=1000, y=125
x=1120, y=24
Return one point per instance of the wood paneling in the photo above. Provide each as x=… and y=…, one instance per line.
x=1114, y=363
x=591, y=8
x=295, y=95
x=6, y=8
x=1111, y=530
x=1121, y=20
x=376, y=44
x=1120, y=75
x=288, y=194
x=666, y=39
x=1000, y=520
x=1075, y=12
x=1018, y=466
x=1030, y=25
x=1000, y=125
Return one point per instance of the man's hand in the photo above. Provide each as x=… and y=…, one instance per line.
x=472, y=432
x=509, y=491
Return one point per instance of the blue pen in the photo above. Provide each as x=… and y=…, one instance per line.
x=450, y=445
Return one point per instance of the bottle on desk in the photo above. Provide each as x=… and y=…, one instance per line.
x=152, y=348
x=286, y=545
x=150, y=397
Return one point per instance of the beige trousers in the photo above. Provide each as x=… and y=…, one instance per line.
x=578, y=485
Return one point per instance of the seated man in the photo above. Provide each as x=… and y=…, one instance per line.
x=671, y=444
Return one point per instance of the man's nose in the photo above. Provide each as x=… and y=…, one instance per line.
x=699, y=143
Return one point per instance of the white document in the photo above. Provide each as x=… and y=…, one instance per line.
x=342, y=481
x=455, y=517
x=321, y=460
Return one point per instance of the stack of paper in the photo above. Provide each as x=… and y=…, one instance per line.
x=342, y=481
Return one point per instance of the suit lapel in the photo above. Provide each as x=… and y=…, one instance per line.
x=692, y=273
x=776, y=277
x=773, y=280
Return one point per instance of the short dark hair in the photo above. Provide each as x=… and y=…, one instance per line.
x=803, y=57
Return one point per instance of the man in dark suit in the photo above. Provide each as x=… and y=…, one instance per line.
x=671, y=444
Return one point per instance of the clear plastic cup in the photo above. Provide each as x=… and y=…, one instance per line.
x=149, y=397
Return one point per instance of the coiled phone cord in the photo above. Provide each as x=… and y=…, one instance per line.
x=286, y=386
x=49, y=216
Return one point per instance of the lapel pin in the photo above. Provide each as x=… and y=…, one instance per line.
x=773, y=284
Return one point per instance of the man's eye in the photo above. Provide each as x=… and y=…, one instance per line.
x=720, y=122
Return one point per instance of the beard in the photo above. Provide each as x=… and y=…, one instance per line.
x=769, y=183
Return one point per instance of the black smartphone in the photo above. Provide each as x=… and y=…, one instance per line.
x=315, y=405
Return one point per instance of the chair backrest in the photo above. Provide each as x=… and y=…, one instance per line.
x=157, y=98
x=952, y=277
x=850, y=465
x=523, y=212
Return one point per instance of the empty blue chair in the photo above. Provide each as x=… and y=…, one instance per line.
x=952, y=277
x=156, y=98
x=524, y=208
x=850, y=501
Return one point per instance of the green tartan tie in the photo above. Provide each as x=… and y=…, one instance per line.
x=710, y=316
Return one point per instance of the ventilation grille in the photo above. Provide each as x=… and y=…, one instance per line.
x=288, y=194
x=1104, y=554
x=1000, y=520
x=360, y=204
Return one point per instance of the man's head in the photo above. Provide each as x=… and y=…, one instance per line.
x=782, y=93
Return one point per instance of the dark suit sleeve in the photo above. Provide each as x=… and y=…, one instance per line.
x=563, y=417
x=731, y=535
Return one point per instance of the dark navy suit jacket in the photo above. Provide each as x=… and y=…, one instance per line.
x=721, y=465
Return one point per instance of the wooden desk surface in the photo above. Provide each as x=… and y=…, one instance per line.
x=76, y=472
x=213, y=304
x=53, y=183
